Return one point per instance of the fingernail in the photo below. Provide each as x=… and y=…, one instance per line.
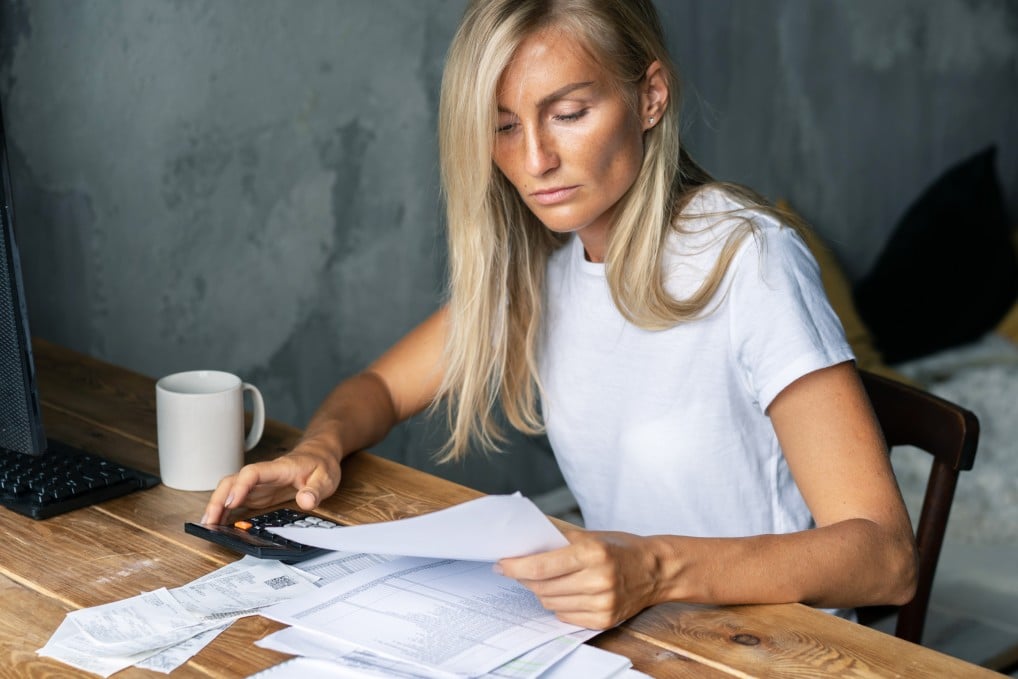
x=204, y=519
x=497, y=569
x=308, y=495
x=229, y=500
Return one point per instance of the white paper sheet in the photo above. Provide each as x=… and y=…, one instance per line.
x=161, y=629
x=536, y=662
x=455, y=616
x=242, y=591
x=586, y=662
x=354, y=660
x=486, y=529
x=141, y=623
x=169, y=659
x=304, y=642
x=310, y=668
x=589, y=662
x=332, y=566
x=69, y=645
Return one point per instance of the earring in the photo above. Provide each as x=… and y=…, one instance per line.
x=650, y=120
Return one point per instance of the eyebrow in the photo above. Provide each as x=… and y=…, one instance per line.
x=556, y=95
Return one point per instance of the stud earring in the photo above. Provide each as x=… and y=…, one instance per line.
x=650, y=120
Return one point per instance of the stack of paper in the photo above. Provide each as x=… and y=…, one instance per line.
x=441, y=612
x=564, y=658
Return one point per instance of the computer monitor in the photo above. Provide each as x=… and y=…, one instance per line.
x=21, y=427
x=39, y=477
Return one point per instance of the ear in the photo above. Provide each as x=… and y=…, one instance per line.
x=653, y=95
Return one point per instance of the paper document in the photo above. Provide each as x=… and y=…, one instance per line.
x=351, y=660
x=167, y=660
x=536, y=662
x=161, y=629
x=311, y=668
x=454, y=616
x=348, y=659
x=332, y=566
x=142, y=623
x=486, y=529
x=589, y=662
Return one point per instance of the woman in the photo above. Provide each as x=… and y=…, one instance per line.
x=693, y=381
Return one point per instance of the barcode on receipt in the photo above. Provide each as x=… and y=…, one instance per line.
x=281, y=582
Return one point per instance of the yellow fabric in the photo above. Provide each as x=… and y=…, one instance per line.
x=839, y=292
x=1008, y=327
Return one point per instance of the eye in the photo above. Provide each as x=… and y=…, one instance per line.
x=506, y=121
x=571, y=117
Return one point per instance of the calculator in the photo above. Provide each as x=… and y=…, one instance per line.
x=251, y=535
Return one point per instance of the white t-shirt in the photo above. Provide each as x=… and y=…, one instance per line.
x=666, y=432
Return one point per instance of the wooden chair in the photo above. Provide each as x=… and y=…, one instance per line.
x=948, y=432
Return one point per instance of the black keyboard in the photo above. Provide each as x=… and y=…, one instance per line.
x=63, y=479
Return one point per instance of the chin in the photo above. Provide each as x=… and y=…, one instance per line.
x=561, y=223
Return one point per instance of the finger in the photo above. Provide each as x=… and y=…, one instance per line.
x=309, y=494
x=574, y=534
x=252, y=476
x=233, y=490
x=545, y=566
x=595, y=620
x=278, y=472
x=593, y=612
x=215, y=509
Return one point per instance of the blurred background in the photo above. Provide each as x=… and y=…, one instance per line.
x=253, y=185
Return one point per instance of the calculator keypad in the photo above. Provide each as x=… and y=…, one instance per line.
x=280, y=518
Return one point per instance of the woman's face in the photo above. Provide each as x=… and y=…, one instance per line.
x=568, y=141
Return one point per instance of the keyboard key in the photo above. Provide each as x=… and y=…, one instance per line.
x=63, y=479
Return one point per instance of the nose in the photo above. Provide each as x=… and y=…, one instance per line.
x=541, y=156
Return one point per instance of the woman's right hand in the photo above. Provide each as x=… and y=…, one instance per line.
x=358, y=413
x=311, y=472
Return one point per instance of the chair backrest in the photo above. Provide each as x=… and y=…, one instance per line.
x=948, y=432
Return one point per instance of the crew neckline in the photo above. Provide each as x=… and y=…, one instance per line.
x=579, y=256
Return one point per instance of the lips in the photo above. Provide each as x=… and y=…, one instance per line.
x=552, y=196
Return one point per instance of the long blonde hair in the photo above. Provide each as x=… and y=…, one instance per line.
x=498, y=249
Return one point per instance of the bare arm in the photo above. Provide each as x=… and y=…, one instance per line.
x=358, y=413
x=861, y=552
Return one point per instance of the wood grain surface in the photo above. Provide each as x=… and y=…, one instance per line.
x=136, y=543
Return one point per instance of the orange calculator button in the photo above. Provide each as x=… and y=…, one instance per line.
x=243, y=525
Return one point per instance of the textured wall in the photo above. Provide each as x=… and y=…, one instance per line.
x=850, y=107
x=252, y=185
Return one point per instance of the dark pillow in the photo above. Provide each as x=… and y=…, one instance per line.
x=948, y=273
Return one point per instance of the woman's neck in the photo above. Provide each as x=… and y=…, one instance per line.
x=595, y=242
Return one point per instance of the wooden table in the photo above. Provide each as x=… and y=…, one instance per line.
x=136, y=543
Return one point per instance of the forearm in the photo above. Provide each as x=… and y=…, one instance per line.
x=357, y=414
x=851, y=563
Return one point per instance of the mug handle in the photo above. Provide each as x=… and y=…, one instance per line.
x=257, y=418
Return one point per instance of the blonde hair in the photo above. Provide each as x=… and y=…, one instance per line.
x=498, y=249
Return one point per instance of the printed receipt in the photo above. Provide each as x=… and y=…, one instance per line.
x=165, y=627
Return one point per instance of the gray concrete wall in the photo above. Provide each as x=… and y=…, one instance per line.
x=849, y=108
x=252, y=185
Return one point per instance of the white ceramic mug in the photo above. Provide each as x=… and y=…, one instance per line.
x=200, y=422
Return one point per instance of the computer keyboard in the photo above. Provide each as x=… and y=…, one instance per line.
x=63, y=479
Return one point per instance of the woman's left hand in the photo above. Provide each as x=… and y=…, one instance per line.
x=599, y=580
